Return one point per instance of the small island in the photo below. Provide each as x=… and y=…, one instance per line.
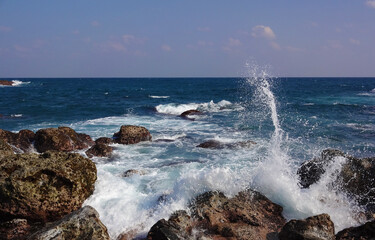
x=6, y=83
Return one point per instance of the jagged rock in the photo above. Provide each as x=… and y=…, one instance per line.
x=363, y=232
x=61, y=139
x=44, y=187
x=179, y=226
x=104, y=140
x=5, y=149
x=189, y=113
x=6, y=83
x=14, y=229
x=132, y=172
x=21, y=140
x=248, y=215
x=100, y=150
x=214, y=144
x=81, y=224
x=318, y=227
x=356, y=177
x=129, y=134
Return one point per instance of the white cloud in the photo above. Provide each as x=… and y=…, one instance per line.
x=166, y=48
x=263, y=31
x=354, y=41
x=370, y=3
x=275, y=45
x=5, y=29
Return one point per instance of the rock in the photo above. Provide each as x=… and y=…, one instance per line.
x=44, y=187
x=179, y=226
x=104, y=140
x=248, y=215
x=6, y=83
x=214, y=144
x=318, y=227
x=5, y=149
x=190, y=112
x=132, y=134
x=132, y=172
x=21, y=140
x=356, y=177
x=14, y=229
x=61, y=139
x=100, y=150
x=363, y=232
x=81, y=224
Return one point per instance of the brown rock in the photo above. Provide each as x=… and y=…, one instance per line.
x=14, y=229
x=21, y=140
x=318, y=227
x=214, y=144
x=104, y=140
x=5, y=149
x=61, y=139
x=81, y=224
x=363, y=232
x=44, y=187
x=100, y=150
x=132, y=134
x=6, y=83
x=190, y=112
x=132, y=172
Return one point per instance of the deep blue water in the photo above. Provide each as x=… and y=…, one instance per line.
x=313, y=114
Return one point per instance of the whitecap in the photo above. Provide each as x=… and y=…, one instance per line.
x=150, y=96
x=19, y=82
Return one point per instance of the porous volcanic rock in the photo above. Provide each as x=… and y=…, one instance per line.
x=21, y=140
x=14, y=229
x=104, y=140
x=248, y=215
x=100, y=150
x=363, y=232
x=81, y=224
x=6, y=83
x=62, y=139
x=5, y=149
x=44, y=187
x=318, y=227
x=214, y=144
x=129, y=134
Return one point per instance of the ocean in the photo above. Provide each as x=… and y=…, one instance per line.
x=290, y=119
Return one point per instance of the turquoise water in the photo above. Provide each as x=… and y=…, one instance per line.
x=311, y=114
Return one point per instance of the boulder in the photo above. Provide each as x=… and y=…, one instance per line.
x=248, y=215
x=62, y=139
x=104, y=140
x=132, y=172
x=5, y=149
x=214, y=144
x=44, y=187
x=6, y=83
x=363, y=232
x=15, y=229
x=99, y=150
x=81, y=224
x=129, y=134
x=189, y=113
x=318, y=227
x=21, y=140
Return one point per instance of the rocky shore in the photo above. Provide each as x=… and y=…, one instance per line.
x=6, y=83
x=43, y=185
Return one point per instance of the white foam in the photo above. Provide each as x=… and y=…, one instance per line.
x=158, y=96
x=19, y=82
x=16, y=115
x=177, y=109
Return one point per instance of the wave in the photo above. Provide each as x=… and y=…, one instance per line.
x=150, y=96
x=370, y=93
x=19, y=82
x=177, y=109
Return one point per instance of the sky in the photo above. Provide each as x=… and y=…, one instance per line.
x=180, y=38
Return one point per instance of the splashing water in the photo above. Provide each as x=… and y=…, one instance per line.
x=276, y=175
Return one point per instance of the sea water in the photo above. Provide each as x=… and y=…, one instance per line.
x=291, y=120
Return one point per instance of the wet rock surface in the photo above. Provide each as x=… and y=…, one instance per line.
x=62, y=139
x=132, y=172
x=130, y=134
x=80, y=224
x=248, y=215
x=189, y=113
x=6, y=83
x=214, y=144
x=104, y=140
x=5, y=148
x=20, y=141
x=44, y=187
x=100, y=150
x=318, y=227
x=363, y=232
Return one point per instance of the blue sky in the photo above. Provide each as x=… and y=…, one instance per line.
x=207, y=38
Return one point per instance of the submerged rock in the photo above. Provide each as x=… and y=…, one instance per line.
x=132, y=172
x=363, y=232
x=81, y=224
x=189, y=113
x=129, y=134
x=318, y=227
x=6, y=83
x=44, y=187
x=214, y=144
x=99, y=150
x=62, y=139
x=248, y=215
x=21, y=140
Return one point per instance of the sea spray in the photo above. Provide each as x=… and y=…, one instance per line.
x=276, y=175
